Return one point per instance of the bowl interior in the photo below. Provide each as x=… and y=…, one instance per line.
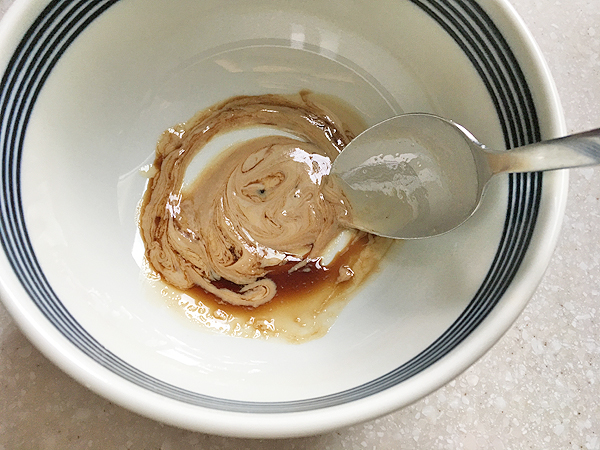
x=137, y=67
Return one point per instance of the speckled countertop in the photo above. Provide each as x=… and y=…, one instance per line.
x=538, y=388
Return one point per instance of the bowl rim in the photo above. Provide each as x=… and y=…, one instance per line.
x=543, y=241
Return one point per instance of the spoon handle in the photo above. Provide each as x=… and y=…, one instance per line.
x=576, y=150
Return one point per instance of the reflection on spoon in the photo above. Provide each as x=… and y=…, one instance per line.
x=419, y=175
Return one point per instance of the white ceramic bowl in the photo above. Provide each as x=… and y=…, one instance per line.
x=88, y=87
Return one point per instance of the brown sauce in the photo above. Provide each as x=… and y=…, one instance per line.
x=241, y=249
x=306, y=305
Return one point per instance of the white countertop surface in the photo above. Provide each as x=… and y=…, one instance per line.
x=538, y=388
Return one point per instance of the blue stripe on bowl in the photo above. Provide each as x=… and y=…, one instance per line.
x=464, y=20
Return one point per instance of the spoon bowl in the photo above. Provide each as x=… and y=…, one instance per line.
x=419, y=175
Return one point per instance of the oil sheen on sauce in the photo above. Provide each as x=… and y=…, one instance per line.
x=305, y=307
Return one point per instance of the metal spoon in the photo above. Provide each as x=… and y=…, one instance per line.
x=419, y=175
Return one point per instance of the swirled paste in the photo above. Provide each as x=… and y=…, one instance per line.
x=263, y=208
